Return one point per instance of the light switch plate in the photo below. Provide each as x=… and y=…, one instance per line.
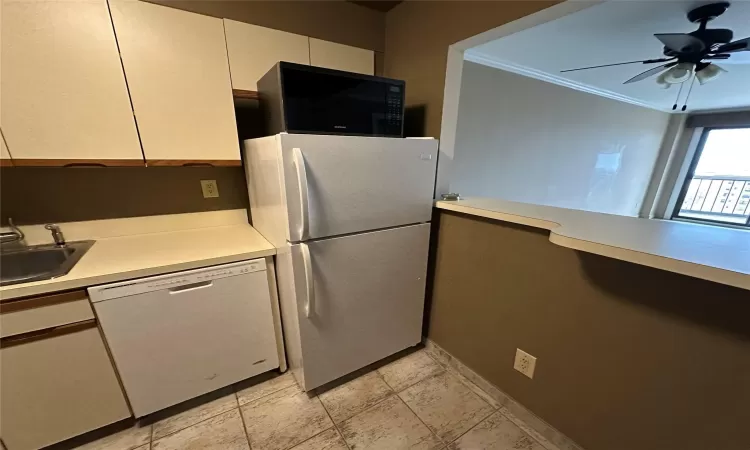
x=524, y=363
x=210, y=188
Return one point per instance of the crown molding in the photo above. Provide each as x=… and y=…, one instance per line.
x=486, y=60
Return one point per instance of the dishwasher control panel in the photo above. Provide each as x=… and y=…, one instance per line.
x=250, y=267
x=187, y=278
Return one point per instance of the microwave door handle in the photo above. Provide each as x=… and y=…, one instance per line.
x=304, y=198
x=309, y=286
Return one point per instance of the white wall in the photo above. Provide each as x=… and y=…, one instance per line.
x=526, y=140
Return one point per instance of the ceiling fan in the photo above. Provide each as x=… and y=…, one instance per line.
x=688, y=54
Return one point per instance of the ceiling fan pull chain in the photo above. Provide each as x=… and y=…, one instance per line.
x=677, y=100
x=692, y=82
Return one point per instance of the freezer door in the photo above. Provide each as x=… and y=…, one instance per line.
x=348, y=184
x=360, y=299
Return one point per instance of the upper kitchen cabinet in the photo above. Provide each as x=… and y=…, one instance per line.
x=64, y=98
x=253, y=50
x=178, y=74
x=341, y=57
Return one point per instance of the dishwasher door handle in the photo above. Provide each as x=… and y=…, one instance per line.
x=190, y=287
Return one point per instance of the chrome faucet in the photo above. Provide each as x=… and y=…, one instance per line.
x=57, y=234
x=14, y=236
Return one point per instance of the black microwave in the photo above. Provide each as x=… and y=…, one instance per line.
x=296, y=98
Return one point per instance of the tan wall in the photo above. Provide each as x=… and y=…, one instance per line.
x=417, y=36
x=530, y=141
x=31, y=195
x=336, y=21
x=629, y=357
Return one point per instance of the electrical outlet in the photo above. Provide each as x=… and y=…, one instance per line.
x=210, y=188
x=525, y=363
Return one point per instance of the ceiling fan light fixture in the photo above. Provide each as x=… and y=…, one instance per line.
x=709, y=73
x=660, y=80
x=677, y=74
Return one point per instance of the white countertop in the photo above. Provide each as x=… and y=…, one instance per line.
x=710, y=252
x=119, y=258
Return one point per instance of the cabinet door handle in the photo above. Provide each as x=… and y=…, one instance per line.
x=38, y=302
x=85, y=164
x=46, y=333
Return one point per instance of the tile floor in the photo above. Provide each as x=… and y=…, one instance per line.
x=410, y=403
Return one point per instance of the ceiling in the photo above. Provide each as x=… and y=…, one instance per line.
x=618, y=31
x=377, y=5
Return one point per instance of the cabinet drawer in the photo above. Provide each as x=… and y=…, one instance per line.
x=39, y=313
x=57, y=387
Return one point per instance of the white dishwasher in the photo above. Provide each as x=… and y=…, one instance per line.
x=174, y=337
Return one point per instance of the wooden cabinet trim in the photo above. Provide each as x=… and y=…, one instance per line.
x=78, y=163
x=194, y=162
x=247, y=95
x=46, y=333
x=11, y=306
x=73, y=163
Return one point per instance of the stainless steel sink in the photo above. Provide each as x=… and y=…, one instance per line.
x=40, y=262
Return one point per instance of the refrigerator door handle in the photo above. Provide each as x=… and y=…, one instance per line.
x=299, y=165
x=309, y=287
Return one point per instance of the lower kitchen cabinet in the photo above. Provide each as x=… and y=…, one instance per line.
x=58, y=381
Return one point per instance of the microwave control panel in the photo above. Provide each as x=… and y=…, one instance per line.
x=394, y=109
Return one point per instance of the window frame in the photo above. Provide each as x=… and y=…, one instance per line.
x=675, y=213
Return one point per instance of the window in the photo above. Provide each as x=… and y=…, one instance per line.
x=717, y=188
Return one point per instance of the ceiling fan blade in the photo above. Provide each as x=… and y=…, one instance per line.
x=650, y=72
x=646, y=61
x=681, y=42
x=742, y=45
x=719, y=56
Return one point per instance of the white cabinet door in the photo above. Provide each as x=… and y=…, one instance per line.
x=56, y=385
x=63, y=91
x=253, y=50
x=177, y=70
x=341, y=57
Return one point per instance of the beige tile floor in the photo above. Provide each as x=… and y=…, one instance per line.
x=410, y=403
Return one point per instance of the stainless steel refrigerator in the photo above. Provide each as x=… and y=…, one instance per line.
x=350, y=217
